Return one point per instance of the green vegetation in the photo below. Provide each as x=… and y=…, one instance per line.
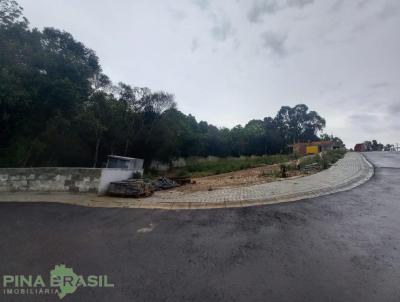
x=323, y=160
x=57, y=108
x=197, y=168
x=309, y=160
x=328, y=158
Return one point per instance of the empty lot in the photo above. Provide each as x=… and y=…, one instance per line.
x=341, y=247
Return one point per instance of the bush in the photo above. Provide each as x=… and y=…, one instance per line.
x=332, y=156
x=309, y=160
x=182, y=173
x=199, y=168
x=324, y=159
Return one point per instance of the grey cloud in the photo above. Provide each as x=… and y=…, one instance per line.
x=236, y=44
x=337, y=6
x=262, y=7
x=367, y=122
x=177, y=14
x=363, y=3
x=392, y=117
x=385, y=117
x=203, y=4
x=299, y=3
x=195, y=45
x=394, y=109
x=387, y=10
x=275, y=43
x=221, y=29
x=379, y=85
x=390, y=9
x=366, y=118
x=363, y=66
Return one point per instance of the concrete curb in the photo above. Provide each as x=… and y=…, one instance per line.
x=345, y=186
x=362, y=175
x=360, y=178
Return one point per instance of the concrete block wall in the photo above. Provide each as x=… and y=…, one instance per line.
x=49, y=179
x=79, y=180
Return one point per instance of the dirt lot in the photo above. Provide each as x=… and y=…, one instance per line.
x=263, y=174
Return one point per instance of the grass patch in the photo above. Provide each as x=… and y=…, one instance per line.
x=324, y=160
x=330, y=157
x=200, y=167
x=225, y=165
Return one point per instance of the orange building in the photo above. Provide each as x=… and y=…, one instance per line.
x=312, y=147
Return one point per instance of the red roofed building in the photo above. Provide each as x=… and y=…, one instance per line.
x=360, y=148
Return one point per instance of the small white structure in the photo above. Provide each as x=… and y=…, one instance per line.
x=122, y=162
x=109, y=175
x=119, y=168
x=75, y=180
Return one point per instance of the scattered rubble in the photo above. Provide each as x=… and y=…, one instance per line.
x=182, y=180
x=311, y=168
x=164, y=183
x=131, y=188
x=143, y=188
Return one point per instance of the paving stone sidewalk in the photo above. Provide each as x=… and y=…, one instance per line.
x=346, y=174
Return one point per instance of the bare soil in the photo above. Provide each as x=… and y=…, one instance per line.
x=262, y=174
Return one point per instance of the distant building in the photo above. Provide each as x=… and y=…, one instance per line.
x=313, y=147
x=360, y=147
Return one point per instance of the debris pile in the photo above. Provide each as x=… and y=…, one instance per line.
x=142, y=187
x=310, y=168
x=164, y=183
x=131, y=188
x=182, y=180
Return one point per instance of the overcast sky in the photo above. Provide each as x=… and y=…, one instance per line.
x=230, y=61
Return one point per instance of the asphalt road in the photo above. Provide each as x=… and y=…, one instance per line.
x=342, y=247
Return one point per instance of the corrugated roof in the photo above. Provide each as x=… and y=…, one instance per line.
x=122, y=157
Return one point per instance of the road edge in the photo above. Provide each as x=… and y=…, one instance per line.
x=365, y=173
x=342, y=187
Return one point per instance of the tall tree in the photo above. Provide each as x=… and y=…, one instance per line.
x=297, y=124
x=57, y=107
x=11, y=14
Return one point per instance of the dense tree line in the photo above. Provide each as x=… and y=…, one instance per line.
x=58, y=108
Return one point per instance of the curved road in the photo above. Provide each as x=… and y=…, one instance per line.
x=341, y=247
